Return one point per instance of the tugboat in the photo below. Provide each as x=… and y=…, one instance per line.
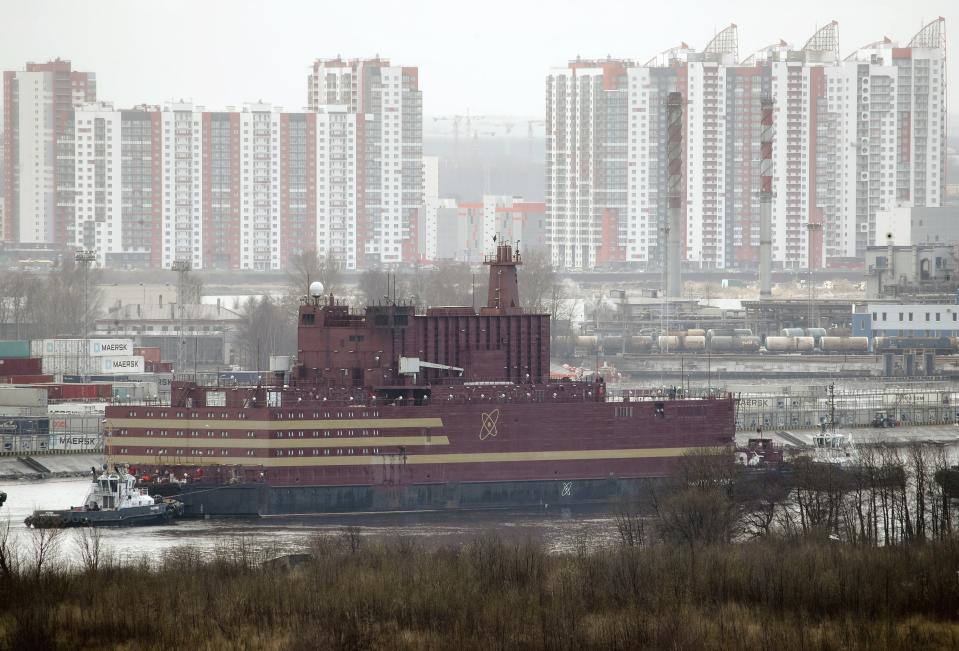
x=112, y=500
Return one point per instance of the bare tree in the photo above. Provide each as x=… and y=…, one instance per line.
x=192, y=289
x=9, y=557
x=374, y=285
x=352, y=538
x=540, y=286
x=266, y=328
x=630, y=525
x=90, y=546
x=45, y=545
x=308, y=267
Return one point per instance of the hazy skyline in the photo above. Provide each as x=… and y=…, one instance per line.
x=491, y=62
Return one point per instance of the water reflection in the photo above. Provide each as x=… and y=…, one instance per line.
x=557, y=530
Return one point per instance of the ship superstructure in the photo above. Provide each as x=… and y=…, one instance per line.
x=388, y=408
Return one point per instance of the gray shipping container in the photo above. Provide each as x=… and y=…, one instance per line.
x=23, y=397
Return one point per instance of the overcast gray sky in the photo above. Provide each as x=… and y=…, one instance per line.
x=488, y=56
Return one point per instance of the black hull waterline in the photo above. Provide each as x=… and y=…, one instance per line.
x=129, y=517
x=256, y=499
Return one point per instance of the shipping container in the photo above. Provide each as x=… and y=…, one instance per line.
x=150, y=354
x=164, y=383
x=75, y=441
x=77, y=408
x=14, y=348
x=23, y=397
x=27, y=379
x=76, y=424
x=130, y=364
x=24, y=444
x=20, y=366
x=72, y=365
x=7, y=411
x=68, y=392
x=60, y=348
x=135, y=391
x=111, y=347
x=25, y=425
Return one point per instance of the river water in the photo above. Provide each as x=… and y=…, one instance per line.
x=556, y=530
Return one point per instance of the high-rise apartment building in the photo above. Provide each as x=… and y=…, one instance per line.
x=298, y=185
x=116, y=189
x=386, y=106
x=182, y=173
x=852, y=137
x=38, y=133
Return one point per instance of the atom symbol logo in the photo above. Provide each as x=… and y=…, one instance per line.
x=489, y=424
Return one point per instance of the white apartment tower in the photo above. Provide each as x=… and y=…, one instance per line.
x=586, y=162
x=182, y=226
x=336, y=183
x=260, y=183
x=852, y=137
x=388, y=173
x=97, y=186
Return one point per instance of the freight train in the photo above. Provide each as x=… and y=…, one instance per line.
x=743, y=341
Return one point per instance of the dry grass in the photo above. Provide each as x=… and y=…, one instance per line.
x=488, y=594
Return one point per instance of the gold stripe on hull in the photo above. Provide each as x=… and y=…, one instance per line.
x=273, y=425
x=286, y=443
x=415, y=459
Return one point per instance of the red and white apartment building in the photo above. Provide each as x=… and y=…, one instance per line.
x=853, y=136
x=236, y=189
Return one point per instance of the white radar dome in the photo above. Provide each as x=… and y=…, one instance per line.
x=316, y=289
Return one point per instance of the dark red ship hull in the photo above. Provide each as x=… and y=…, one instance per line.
x=390, y=408
x=484, y=452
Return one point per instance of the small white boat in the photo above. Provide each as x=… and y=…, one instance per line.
x=832, y=447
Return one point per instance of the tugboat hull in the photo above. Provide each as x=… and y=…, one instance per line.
x=134, y=516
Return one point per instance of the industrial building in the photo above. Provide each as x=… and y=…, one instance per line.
x=918, y=273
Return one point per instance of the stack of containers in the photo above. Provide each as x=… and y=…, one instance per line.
x=16, y=365
x=24, y=422
x=77, y=426
x=88, y=356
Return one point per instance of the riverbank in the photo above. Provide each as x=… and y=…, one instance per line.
x=46, y=466
x=490, y=594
